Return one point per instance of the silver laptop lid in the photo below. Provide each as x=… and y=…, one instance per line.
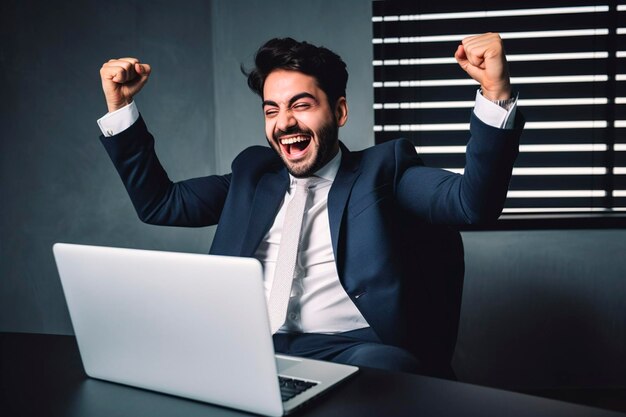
x=148, y=319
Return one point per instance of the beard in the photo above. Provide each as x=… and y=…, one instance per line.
x=325, y=148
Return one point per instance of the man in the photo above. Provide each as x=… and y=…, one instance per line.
x=347, y=293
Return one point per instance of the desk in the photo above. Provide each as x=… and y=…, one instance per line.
x=42, y=375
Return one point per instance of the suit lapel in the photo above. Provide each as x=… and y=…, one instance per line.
x=339, y=193
x=269, y=193
x=271, y=190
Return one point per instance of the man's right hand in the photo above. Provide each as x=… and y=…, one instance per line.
x=121, y=79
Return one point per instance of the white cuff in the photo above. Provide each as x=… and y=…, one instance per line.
x=492, y=114
x=121, y=119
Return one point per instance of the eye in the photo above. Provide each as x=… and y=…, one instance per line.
x=271, y=112
x=302, y=105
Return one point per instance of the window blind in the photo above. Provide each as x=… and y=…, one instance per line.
x=568, y=64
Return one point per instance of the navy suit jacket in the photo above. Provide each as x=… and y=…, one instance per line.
x=381, y=201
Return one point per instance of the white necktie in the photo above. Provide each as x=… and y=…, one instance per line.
x=287, y=256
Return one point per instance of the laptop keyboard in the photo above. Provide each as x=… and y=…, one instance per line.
x=289, y=387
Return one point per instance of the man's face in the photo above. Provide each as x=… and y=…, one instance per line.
x=299, y=123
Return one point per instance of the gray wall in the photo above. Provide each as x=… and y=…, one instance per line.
x=56, y=180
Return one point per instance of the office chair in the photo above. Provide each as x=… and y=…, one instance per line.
x=432, y=300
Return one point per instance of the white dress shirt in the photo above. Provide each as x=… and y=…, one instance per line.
x=318, y=302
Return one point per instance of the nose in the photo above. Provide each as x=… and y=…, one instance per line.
x=285, y=120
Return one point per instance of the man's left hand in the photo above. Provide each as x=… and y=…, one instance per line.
x=482, y=57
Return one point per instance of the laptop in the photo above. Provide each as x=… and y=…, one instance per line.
x=190, y=325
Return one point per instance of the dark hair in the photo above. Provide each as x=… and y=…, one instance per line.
x=286, y=53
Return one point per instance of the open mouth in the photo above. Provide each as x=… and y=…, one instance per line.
x=295, y=146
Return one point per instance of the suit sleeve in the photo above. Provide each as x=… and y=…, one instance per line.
x=474, y=197
x=192, y=203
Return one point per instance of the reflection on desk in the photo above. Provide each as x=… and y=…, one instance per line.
x=42, y=375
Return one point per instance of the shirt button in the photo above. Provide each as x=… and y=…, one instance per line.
x=293, y=316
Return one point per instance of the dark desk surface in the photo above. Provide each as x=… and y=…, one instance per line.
x=42, y=375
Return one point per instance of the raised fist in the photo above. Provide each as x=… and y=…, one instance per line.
x=482, y=57
x=121, y=79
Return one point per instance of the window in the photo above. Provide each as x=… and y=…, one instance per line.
x=568, y=64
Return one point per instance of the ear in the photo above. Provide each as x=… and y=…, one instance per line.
x=341, y=111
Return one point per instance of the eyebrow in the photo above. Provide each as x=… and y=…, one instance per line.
x=291, y=100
